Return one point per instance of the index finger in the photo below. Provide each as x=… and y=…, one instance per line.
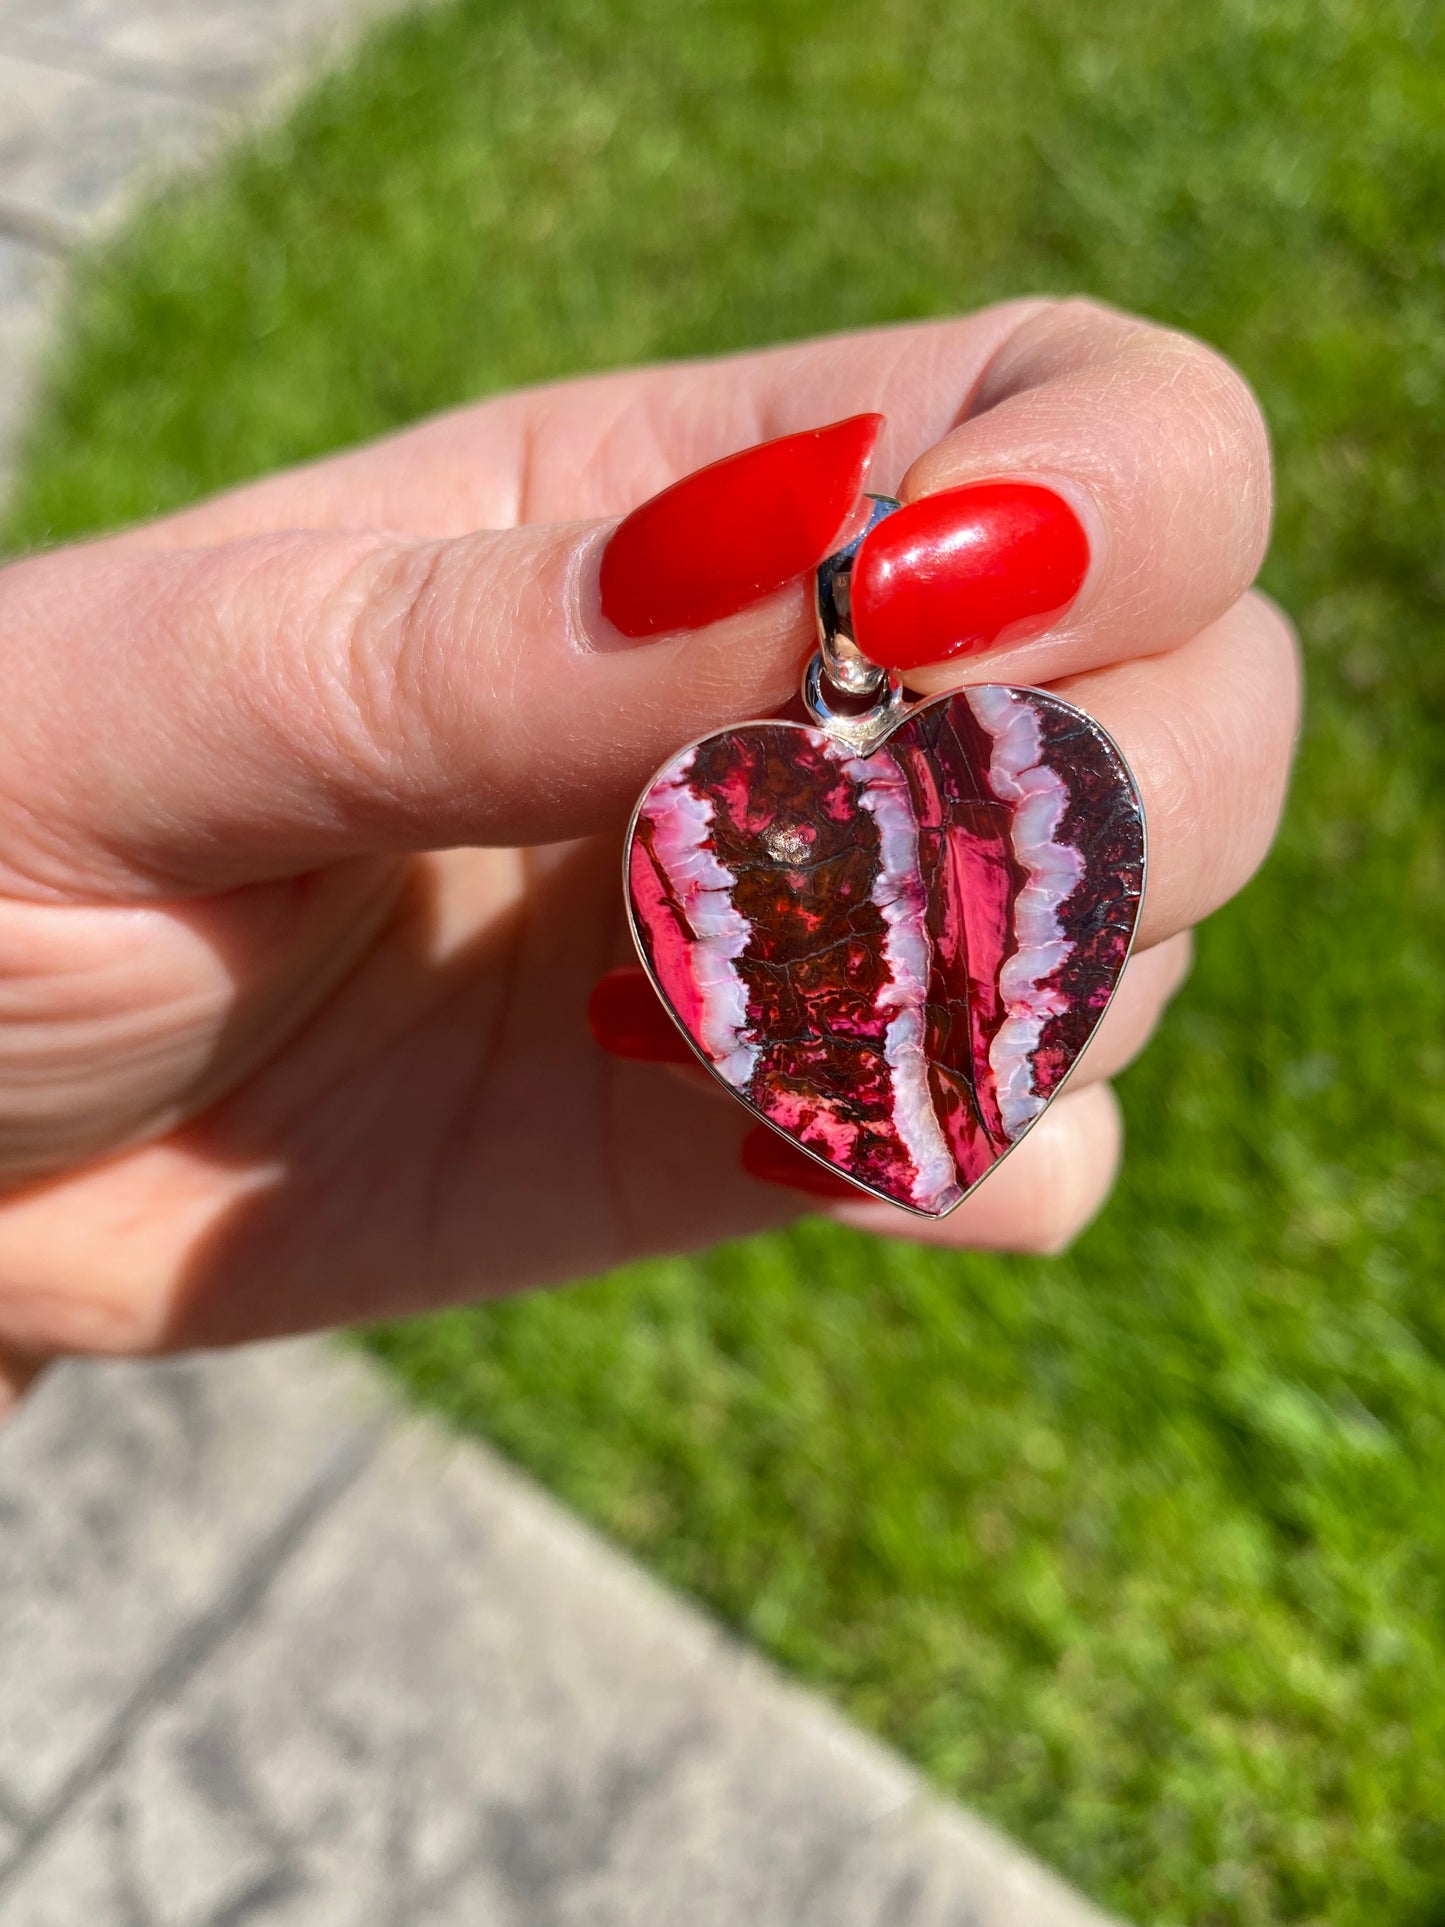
x=597, y=446
x=1152, y=442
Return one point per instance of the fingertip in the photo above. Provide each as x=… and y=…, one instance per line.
x=17, y=1375
x=771, y=1159
x=627, y=1019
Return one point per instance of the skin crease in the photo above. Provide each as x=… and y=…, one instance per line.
x=277, y=1050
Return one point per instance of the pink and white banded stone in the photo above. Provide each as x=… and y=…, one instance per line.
x=894, y=958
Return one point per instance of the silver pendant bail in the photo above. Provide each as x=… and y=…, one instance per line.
x=847, y=667
x=839, y=664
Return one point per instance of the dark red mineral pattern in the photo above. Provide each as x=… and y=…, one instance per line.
x=894, y=958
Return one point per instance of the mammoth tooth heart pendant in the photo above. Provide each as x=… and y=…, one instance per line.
x=894, y=958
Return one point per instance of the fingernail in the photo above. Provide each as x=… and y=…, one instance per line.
x=958, y=572
x=628, y=1020
x=767, y=1156
x=735, y=531
x=16, y=1376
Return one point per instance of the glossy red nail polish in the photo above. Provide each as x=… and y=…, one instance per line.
x=628, y=1020
x=954, y=573
x=734, y=532
x=767, y=1156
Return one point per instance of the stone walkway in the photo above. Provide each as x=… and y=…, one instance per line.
x=98, y=98
x=272, y=1650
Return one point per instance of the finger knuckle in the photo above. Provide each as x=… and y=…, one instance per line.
x=381, y=697
x=1084, y=314
x=1232, y=435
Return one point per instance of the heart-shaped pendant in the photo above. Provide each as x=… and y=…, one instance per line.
x=895, y=958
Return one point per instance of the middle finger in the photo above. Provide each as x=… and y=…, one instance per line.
x=1208, y=730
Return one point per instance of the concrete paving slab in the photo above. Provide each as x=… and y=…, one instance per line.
x=128, y=1503
x=28, y=276
x=436, y=1699
x=99, y=99
x=235, y=45
x=74, y=147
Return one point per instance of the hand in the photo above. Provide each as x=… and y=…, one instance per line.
x=310, y=804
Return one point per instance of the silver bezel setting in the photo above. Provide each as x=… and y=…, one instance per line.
x=899, y=711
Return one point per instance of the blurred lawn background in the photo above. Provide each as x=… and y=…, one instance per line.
x=1139, y=1551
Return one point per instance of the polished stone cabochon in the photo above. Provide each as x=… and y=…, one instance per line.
x=894, y=958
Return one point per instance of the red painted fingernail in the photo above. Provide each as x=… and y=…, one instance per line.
x=954, y=573
x=628, y=1020
x=767, y=1156
x=734, y=532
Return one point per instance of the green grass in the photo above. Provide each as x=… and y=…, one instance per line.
x=1140, y=1551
